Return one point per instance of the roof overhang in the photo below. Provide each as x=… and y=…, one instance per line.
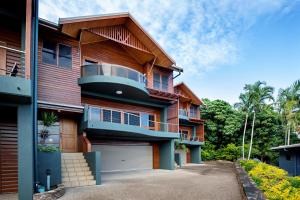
x=74, y=26
x=286, y=147
x=191, y=95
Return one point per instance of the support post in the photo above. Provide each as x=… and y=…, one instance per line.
x=196, y=154
x=166, y=155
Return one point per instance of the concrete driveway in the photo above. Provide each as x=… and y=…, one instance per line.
x=212, y=180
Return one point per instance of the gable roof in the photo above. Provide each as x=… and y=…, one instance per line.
x=73, y=27
x=194, y=98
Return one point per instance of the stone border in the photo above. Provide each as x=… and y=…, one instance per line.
x=248, y=187
x=50, y=195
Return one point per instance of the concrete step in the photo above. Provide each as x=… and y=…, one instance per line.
x=79, y=183
x=75, y=170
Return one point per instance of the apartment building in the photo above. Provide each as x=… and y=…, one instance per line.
x=111, y=86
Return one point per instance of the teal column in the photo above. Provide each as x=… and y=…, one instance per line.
x=166, y=155
x=196, y=154
x=25, y=152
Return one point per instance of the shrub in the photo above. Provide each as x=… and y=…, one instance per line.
x=48, y=148
x=273, y=181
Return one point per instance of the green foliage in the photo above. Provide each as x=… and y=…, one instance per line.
x=49, y=119
x=273, y=181
x=48, y=148
x=179, y=146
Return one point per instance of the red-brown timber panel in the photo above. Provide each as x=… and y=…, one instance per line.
x=155, y=148
x=172, y=118
x=57, y=84
x=188, y=156
x=123, y=106
x=200, y=132
x=8, y=157
x=110, y=52
x=12, y=39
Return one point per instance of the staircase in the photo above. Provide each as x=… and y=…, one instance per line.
x=75, y=170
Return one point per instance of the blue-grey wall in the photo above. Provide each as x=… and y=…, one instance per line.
x=292, y=166
x=94, y=161
x=196, y=154
x=166, y=155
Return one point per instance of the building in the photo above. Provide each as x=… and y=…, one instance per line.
x=111, y=86
x=18, y=36
x=191, y=126
x=289, y=158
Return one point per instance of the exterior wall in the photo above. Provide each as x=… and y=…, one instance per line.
x=57, y=84
x=200, y=132
x=292, y=166
x=155, y=148
x=109, y=52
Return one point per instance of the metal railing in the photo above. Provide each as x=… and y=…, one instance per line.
x=129, y=118
x=183, y=112
x=185, y=136
x=14, y=63
x=106, y=69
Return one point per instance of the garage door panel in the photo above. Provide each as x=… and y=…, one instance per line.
x=125, y=157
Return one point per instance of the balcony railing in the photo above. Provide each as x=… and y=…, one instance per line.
x=129, y=118
x=186, y=113
x=183, y=112
x=113, y=70
x=184, y=136
x=14, y=62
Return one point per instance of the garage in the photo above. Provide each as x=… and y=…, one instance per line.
x=125, y=157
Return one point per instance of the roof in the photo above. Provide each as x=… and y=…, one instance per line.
x=73, y=26
x=286, y=147
x=190, y=93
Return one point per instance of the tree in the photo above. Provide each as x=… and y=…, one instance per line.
x=259, y=93
x=289, y=100
x=244, y=105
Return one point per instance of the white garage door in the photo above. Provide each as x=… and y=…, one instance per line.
x=125, y=157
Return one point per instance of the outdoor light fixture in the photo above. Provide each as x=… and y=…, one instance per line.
x=119, y=92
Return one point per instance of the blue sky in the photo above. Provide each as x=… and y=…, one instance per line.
x=222, y=45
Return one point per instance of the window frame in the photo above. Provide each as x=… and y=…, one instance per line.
x=57, y=54
x=161, y=75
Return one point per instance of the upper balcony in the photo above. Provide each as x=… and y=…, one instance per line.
x=14, y=87
x=101, y=121
x=113, y=80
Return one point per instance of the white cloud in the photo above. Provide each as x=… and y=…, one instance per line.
x=200, y=35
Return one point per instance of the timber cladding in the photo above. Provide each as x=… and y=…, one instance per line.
x=57, y=84
x=110, y=52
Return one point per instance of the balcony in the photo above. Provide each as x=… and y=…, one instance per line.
x=110, y=122
x=189, y=140
x=15, y=87
x=113, y=80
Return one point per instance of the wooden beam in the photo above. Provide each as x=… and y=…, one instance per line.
x=28, y=33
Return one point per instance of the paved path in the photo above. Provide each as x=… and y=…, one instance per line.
x=209, y=181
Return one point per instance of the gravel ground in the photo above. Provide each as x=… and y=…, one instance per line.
x=208, y=181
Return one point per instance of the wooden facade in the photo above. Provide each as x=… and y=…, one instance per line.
x=58, y=84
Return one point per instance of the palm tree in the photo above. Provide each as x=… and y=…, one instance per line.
x=289, y=100
x=244, y=105
x=259, y=94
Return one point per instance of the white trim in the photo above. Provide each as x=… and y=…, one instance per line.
x=60, y=104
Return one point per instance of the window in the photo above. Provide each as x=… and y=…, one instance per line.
x=164, y=83
x=193, y=111
x=54, y=54
x=132, y=119
x=156, y=81
x=116, y=117
x=49, y=52
x=106, y=115
x=65, y=56
x=184, y=134
x=160, y=82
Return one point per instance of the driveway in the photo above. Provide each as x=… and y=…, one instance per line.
x=211, y=180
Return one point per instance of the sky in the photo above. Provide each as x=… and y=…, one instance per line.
x=221, y=44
